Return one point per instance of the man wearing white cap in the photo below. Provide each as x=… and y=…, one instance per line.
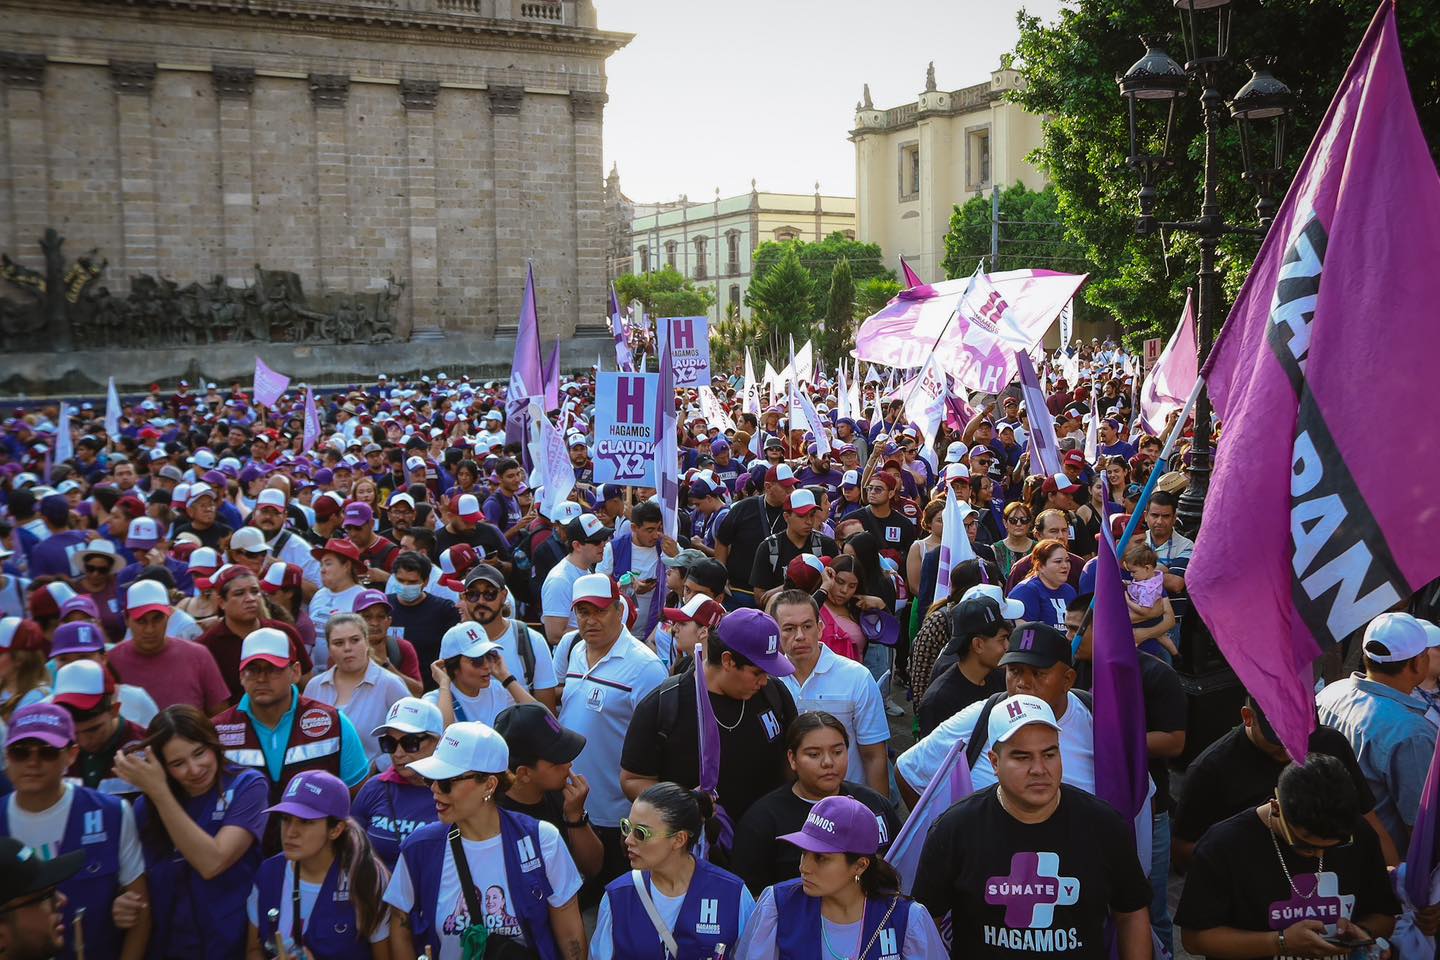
x=607, y=674
x=269, y=518
x=1054, y=862
x=1386, y=725
x=170, y=669
x=586, y=537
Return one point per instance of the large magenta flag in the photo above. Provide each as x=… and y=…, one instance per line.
x=1321, y=508
x=1121, y=771
x=552, y=378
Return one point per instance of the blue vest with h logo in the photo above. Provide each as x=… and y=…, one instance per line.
x=709, y=915
x=797, y=927
x=333, y=929
x=94, y=827
x=622, y=553
x=530, y=890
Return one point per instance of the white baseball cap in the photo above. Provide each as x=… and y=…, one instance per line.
x=402, y=497
x=466, y=640
x=1395, y=638
x=564, y=512
x=249, y=540
x=415, y=463
x=597, y=589
x=412, y=715
x=1432, y=634
x=1009, y=609
x=197, y=490
x=467, y=508
x=146, y=596
x=956, y=471
x=268, y=644
x=465, y=748
x=81, y=685
x=203, y=558
x=180, y=495
x=271, y=497
x=1018, y=711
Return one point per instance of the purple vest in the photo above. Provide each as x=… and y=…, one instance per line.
x=797, y=925
x=93, y=827
x=333, y=930
x=203, y=916
x=621, y=554
x=530, y=888
x=709, y=915
x=390, y=812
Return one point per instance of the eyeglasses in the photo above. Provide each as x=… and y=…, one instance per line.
x=876, y=488
x=23, y=752
x=46, y=897
x=1300, y=846
x=641, y=832
x=412, y=742
x=1021, y=520
x=478, y=595
x=97, y=568
x=448, y=783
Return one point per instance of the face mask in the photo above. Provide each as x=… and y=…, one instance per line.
x=410, y=592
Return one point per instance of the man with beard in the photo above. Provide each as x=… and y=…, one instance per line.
x=524, y=649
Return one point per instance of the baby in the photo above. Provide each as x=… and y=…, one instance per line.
x=1145, y=595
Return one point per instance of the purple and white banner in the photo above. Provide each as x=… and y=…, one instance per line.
x=312, y=420
x=270, y=386
x=690, y=350
x=626, y=428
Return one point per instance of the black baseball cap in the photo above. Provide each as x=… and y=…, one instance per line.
x=710, y=574
x=22, y=872
x=979, y=616
x=483, y=572
x=1037, y=645
x=533, y=735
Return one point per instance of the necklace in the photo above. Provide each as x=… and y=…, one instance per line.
x=1281, y=857
x=737, y=719
x=838, y=955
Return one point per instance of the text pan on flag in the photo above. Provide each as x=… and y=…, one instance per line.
x=979, y=343
x=625, y=428
x=1310, y=530
x=689, y=349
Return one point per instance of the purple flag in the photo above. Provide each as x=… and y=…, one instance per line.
x=1121, y=773
x=312, y=420
x=709, y=745
x=527, y=377
x=667, y=464
x=623, y=358
x=269, y=385
x=552, y=378
x=1420, y=860
x=1044, y=448
x=1308, y=535
x=912, y=279
x=950, y=784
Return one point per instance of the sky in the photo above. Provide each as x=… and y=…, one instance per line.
x=712, y=95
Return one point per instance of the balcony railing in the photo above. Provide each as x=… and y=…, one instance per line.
x=550, y=12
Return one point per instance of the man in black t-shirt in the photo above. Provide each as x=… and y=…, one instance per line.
x=892, y=528
x=799, y=535
x=983, y=636
x=1031, y=865
x=1240, y=770
x=1277, y=879
x=751, y=715
x=746, y=526
x=544, y=786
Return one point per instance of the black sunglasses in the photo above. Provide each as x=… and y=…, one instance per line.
x=22, y=752
x=485, y=595
x=410, y=741
x=448, y=784
x=96, y=568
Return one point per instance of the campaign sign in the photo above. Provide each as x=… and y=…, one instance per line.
x=626, y=428
x=690, y=350
x=1152, y=353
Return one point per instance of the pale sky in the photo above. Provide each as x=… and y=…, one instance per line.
x=712, y=94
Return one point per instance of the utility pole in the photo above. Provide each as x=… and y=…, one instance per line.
x=994, y=228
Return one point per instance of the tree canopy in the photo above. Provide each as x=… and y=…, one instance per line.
x=665, y=293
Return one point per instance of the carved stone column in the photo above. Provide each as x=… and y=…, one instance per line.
x=233, y=87
x=27, y=195
x=505, y=104
x=330, y=93
x=419, y=97
x=133, y=83
x=587, y=108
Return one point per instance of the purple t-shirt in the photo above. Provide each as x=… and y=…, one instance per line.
x=51, y=557
x=503, y=512
x=1043, y=604
x=390, y=808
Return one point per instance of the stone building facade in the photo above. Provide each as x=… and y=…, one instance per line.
x=436, y=142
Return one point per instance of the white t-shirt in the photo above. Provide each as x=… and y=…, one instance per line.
x=544, y=673
x=44, y=831
x=487, y=868
x=483, y=707
x=1077, y=749
x=324, y=605
x=602, y=944
x=557, y=594
x=846, y=689
x=309, y=892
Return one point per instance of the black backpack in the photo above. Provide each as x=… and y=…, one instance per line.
x=976, y=745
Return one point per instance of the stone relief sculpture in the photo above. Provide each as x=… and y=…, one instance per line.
x=61, y=309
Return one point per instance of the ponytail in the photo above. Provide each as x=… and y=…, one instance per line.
x=879, y=879
x=681, y=809
x=368, y=876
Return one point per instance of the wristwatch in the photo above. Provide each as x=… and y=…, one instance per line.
x=1280, y=944
x=584, y=821
x=508, y=680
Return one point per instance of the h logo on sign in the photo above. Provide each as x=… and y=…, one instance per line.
x=709, y=911
x=682, y=333
x=630, y=399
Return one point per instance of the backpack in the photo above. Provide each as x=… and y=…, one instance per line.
x=977, y=744
x=772, y=543
x=670, y=701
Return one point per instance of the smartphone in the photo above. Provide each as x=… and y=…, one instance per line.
x=1350, y=943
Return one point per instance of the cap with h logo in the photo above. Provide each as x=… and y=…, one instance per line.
x=467, y=747
x=412, y=715
x=1011, y=714
x=466, y=640
x=314, y=795
x=754, y=635
x=1037, y=645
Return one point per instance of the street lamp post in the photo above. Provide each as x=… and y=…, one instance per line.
x=1156, y=83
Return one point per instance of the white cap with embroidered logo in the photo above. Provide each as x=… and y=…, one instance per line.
x=1018, y=711
x=412, y=715
x=466, y=640
x=465, y=748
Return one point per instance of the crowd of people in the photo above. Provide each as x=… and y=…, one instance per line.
x=371, y=700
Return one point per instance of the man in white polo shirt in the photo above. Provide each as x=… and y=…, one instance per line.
x=1038, y=663
x=586, y=537
x=608, y=672
x=824, y=680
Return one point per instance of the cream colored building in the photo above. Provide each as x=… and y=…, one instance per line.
x=914, y=163
x=714, y=243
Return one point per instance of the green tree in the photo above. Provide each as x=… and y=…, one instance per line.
x=665, y=293
x=820, y=258
x=839, y=336
x=783, y=300
x=1070, y=67
x=730, y=338
x=872, y=294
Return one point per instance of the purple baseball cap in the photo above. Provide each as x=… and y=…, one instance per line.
x=46, y=722
x=837, y=825
x=755, y=635
x=77, y=637
x=358, y=514
x=368, y=599
x=324, y=475
x=80, y=603
x=314, y=795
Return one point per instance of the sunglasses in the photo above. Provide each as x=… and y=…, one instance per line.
x=485, y=595
x=22, y=753
x=410, y=741
x=97, y=568
x=1021, y=520
x=641, y=832
x=876, y=488
x=448, y=784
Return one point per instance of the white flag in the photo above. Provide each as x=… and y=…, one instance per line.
x=112, y=412
x=715, y=415
x=955, y=546
x=802, y=363
x=548, y=452
x=64, y=446
x=842, y=393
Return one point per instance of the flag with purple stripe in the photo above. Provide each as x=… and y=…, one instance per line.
x=950, y=784
x=624, y=360
x=1044, y=448
x=1121, y=760
x=552, y=378
x=312, y=420
x=709, y=744
x=1420, y=859
x=527, y=377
